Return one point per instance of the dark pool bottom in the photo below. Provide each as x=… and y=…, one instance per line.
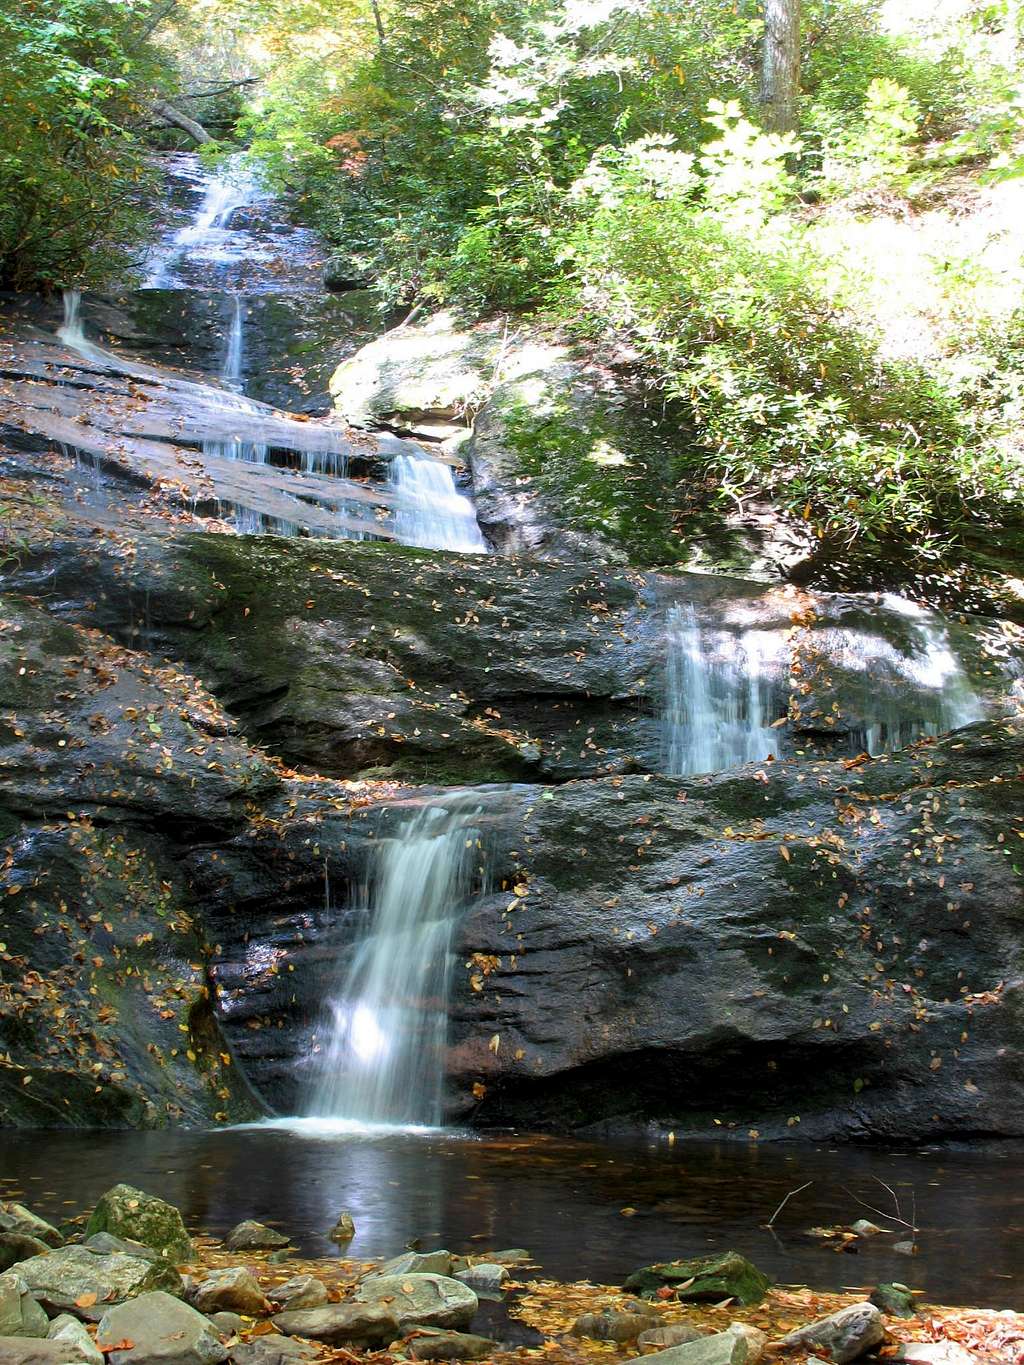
x=564, y=1200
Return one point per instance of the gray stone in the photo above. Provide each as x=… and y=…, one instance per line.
x=233, y=1290
x=429, y=1344
x=612, y=1325
x=26, y=1351
x=672, y=1334
x=227, y=1324
x=137, y=1216
x=61, y=1278
x=845, y=1335
x=304, y=1291
x=895, y=1300
x=417, y=1263
x=421, y=379
x=73, y=1336
x=20, y=1315
x=16, y=1217
x=279, y=1256
x=757, y=1341
x=512, y=1256
x=485, y=1277
x=340, y=1324
x=863, y=1227
x=724, y=1348
x=253, y=1236
x=272, y=1350
x=162, y=1330
x=344, y=1229
x=105, y=1242
x=427, y=1300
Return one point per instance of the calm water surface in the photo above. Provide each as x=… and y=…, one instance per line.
x=563, y=1199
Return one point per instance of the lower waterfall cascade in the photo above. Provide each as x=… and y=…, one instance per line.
x=387, y=1021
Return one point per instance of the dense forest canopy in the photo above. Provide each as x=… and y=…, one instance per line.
x=797, y=221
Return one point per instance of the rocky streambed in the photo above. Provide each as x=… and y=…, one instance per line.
x=129, y=1283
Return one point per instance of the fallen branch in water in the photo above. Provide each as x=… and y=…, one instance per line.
x=785, y=1201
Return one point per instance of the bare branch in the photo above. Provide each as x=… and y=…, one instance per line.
x=896, y=1217
x=177, y=119
x=785, y=1201
x=219, y=90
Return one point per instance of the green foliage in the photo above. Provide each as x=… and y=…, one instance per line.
x=784, y=399
x=875, y=150
x=72, y=174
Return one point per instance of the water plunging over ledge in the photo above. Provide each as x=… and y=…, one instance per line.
x=388, y=1015
x=727, y=690
x=718, y=709
x=433, y=512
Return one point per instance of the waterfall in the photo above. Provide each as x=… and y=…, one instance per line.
x=944, y=699
x=232, y=378
x=432, y=511
x=717, y=699
x=388, y=1022
x=72, y=330
x=207, y=233
x=231, y=370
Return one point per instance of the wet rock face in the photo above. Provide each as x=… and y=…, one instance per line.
x=805, y=946
x=829, y=951
x=292, y=342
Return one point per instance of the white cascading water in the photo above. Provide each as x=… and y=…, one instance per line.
x=232, y=377
x=944, y=699
x=717, y=698
x=207, y=233
x=431, y=511
x=388, y=1024
x=72, y=331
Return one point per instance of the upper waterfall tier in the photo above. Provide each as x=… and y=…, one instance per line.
x=224, y=232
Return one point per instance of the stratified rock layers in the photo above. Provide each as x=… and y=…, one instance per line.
x=818, y=946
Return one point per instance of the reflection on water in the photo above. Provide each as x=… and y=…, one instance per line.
x=560, y=1198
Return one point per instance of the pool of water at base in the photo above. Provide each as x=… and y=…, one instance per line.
x=585, y=1210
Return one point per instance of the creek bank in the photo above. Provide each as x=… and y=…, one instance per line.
x=210, y=1309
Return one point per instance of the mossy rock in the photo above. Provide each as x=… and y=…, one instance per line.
x=139, y=1217
x=728, y=1276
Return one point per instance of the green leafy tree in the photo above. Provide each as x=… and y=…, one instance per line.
x=73, y=77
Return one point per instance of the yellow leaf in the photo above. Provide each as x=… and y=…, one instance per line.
x=784, y=852
x=494, y=1044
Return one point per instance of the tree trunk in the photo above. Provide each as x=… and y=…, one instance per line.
x=780, y=65
x=177, y=119
x=379, y=22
